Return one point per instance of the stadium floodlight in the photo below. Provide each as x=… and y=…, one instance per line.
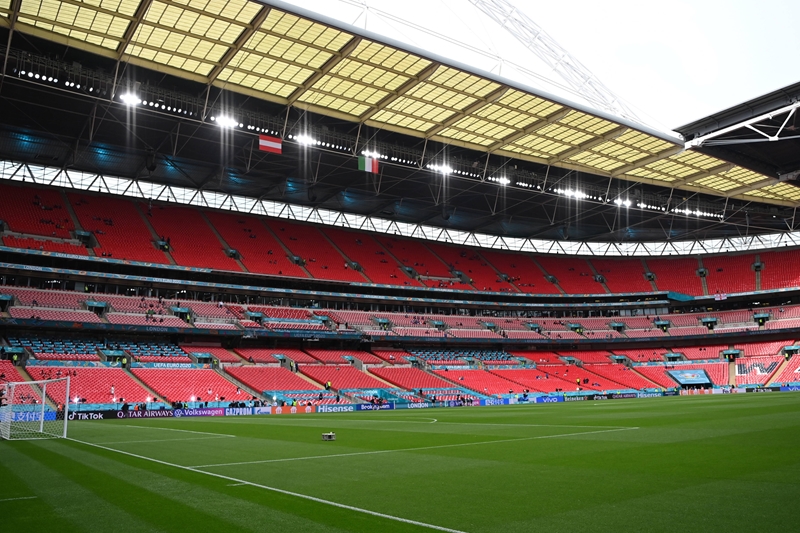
x=130, y=99
x=502, y=181
x=225, y=122
x=620, y=202
x=442, y=169
x=35, y=409
x=305, y=140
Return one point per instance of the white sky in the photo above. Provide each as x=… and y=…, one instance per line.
x=672, y=62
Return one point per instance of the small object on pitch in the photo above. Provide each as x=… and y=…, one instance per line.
x=329, y=436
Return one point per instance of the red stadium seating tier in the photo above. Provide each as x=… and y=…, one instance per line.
x=281, y=312
x=192, y=242
x=642, y=355
x=677, y=275
x=269, y=378
x=541, y=380
x=789, y=374
x=47, y=298
x=357, y=318
x=621, y=374
x=527, y=276
x=220, y=353
x=780, y=269
x=757, y=370
x=414, y=254
x=538, y=357
x=730, y=273
x=622, y=275
x=95, y=384
x=467, y=260
x=266, y=355
x=657, y=374
x=378, y=265
x=67, y=356
x=571, y=373
x=336, y=356
x=763, y=348
x=342, y=377
x=184, y=385
x=210, y=309
x=54, y=314
x=260, y=251
x=118, y=226
x=143, y=320
x=8, y=372
x=162, y=359
x=589, y=356
x=135, y=304
x=410, y=378
x=395, y=357
x=480, y=381
x=44, y=245
x=323, y=260
x=701, y=352
x=472, y=333
x=523, y=335
x=718, y=372
x=35, y=211
x=214, y=325
x=574, y=275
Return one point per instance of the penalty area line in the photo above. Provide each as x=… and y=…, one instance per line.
x=274, y=489
x=17, y=499
x=421, y=448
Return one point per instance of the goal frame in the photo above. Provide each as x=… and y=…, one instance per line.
x=40, y=413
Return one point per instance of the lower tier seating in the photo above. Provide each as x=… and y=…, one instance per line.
x=94, y=384
x=410, y=378
x=270, y=378
x=342, y=377
x=188, y=385
x=480, y=381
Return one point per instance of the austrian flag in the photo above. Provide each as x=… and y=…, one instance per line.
x=270, y=144
x=368, y=164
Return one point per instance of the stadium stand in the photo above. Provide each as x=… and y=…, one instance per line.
x=575, y=276
x=266, y=378
x=537, y=380
x=625, y=376
x=54, y=314
x=757, y=370
x=790, y=372
x=414, y=254
x=44, y=245
x=93, y=385
x=266, y=355
x=780, y=269
x=222, y=354
x=410, y=378
x=342, y=377
x=526, y=275
x=46, y=298
x=188, y=385
x=730, y=273
x=471, y=264
x=394, y=357
x=66, y=356
x=35, y=211
x=622, y=275
x=658, y=375
x=480, y=381
x=677, y=275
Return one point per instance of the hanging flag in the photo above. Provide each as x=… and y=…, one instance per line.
x=270, y=144
x=368, y=164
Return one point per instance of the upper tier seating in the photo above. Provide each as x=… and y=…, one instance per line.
x=526, y=275
x=270, y=378
x=281, y=312
x=210, y=309
x=54, y=314
x=511, y=334
x=336, y=357
x=642, y=355
x=762, y=348
x=574, y=275
x=342, y=377
x=410, y=378
x=47, y=298
x=44, y=245
x=480, y=381
x=757, y=370
x=475, y=267
x=214, y=325
x=780, y=269
x=267, y=355
x=118, y=226
x=35, y=211
x=260, y=251
x=677, y=275
x=701, y=352
x=730, y=273
x=622, y=275
x=220, y=353
x=322, y=259
x=144, y=320
x=413, y=253
x=188, y=385
x=378, y=265
x=357, y=318
x=192, y=242
x=472, y=333
x=93, y=384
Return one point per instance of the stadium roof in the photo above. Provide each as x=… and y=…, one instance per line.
x=283, y=54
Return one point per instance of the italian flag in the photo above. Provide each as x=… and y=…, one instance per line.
x=368, y=164
x=270, y=144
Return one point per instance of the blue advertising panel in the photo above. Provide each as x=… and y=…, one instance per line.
x=690, y=377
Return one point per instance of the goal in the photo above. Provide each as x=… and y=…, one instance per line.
x=34, y=409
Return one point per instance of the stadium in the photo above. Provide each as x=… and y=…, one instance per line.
x=262, y=269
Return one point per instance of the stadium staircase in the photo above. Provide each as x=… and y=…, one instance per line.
x=374, y=376
x=344, y=255
x=655, y=385
x=153, y=233
x=221, y=240
x=546, y=273
x=732, y=373
x=143, y=385
x=703, y=281
x=778, y=371
x=283, y=246
x=758, y=273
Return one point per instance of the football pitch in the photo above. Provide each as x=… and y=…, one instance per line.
x=700, y=463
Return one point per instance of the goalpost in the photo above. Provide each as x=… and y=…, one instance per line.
x=34, y=409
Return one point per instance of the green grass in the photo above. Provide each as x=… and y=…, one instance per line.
x=704, y=463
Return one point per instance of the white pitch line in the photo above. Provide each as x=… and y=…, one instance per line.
x=376, y=452
x=173, y=429
x=236, y=484
x=434, y=420
x=165, y=440
x=20, y=498
x=275, y=489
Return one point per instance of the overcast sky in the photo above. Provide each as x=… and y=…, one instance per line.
x=672, y=62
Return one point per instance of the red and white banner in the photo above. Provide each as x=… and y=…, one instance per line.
x=270, y=144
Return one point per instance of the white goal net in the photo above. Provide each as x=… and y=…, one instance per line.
x=34, y=409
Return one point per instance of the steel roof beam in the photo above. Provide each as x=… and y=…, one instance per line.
x=669, y=152
x=753, y=187
x=329, y=65
x=240, y=41
x=490, y=98
x=426, y=73
x=705, y=174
